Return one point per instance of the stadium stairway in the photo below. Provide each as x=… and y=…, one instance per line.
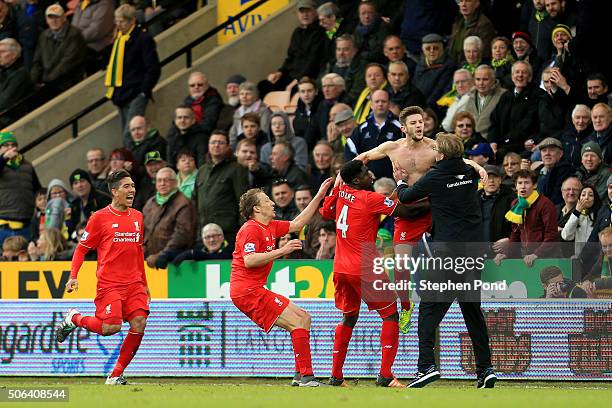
x=258, y=52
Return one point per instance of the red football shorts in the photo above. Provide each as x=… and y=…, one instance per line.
x=409, y=231
x=262, y=306
x=122, y=304
x=350, y=290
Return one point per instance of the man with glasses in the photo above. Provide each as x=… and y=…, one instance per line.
x=205, y=101
x=462, y=83
x=220, y=182
x=169, y=221
x=213, y=246
x=98, y=167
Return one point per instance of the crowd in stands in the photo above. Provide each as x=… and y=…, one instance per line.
x=524, y=84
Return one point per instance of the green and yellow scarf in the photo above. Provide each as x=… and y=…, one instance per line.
x=364, y=104
x=114, y=71
x=517, y=212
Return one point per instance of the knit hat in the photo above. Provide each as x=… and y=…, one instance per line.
x=591, y=147
x=79, y=174
x=235, y=79
x=564, y=28
x=523, y=35
x=7, y=137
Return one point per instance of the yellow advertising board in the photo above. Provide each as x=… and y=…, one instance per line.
x=47, y=280
x=227, y=8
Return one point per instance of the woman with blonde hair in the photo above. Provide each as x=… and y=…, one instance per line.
x=51, y=246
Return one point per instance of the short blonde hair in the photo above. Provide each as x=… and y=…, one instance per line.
x=450, y=145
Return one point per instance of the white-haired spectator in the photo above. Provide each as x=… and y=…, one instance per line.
x=577, y=134
x=214, y=246
x=472, y=53
x=463, y=81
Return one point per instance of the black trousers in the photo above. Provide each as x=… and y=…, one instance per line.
x=430, y=316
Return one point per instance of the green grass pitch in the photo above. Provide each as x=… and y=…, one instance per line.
x=276, y=393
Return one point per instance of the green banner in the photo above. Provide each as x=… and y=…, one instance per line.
x=314, y=279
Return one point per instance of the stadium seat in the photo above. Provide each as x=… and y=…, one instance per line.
x=292, y=106
x=276, y=101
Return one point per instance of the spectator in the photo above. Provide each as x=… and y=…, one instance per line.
x=169, y=221
x=597, y=89
x=401, y=92
x=98, y=167
x=305, y=53
x=593, y=171
x=511, y=165
x=380, y=127
x=57, y=213
x=251, y=130
x=306, y=107
x=495, y=202
x=470, y=22
x=303, y=197
x=395, y=51
x=457, y=99
x=18, y=184
x=249, y=102
x=187, y=171
x=145, y=139
x=205, y=101
x=524, y=51
x=472, y=53
x=601, y=116
x=554, y=171
x=515, y=118
x=80, y=229
x=15, y=249
x=464, y=124
x=334, y=25
x=483, y=99
x=501, y=61
x=375, y=80
x=186, y=133
x=322, y=155
x=370, y=34
x=481, y=154
x=232, y=93
x=554, y=103
x=30, y=19
x=333, y=88
x=7, y=23
x=535, y=220
x=146, y=187
x=564, y=56
x=345, y=64
x=284, y=240
x=214, y=247
x=51, y=246
x=604, y=256
x=327, y=241
x=38, y=219
x=577, y=134
x=133, y=68
x=96, y=21
x=60, y=55
x=15, y=82
x=87, y=200
x=540, y=27
x=345, y=124
x=434, y=72
x=430, y=120
x=219, y=184
x=602, y=221
x=557, y=287
x=282, y=195
x=570, y=190
x=280, y=131
x=282, y=166
x=580, y=224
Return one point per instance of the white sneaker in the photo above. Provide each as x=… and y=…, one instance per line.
x=66, y=327
x=116, y=380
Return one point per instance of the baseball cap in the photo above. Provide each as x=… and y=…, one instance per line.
x=306, y=4
x=550, y=142
x=79, y=174
x=491, y=169
x=54, y=10
x=153, y=156
x=591, y=147
x=432, y=38
x=481, y=148
x=343, y=116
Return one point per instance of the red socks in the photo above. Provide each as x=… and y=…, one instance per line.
x=297, y=364
x=389, y=340
x=128, y=350
x=341, y=343
x=91, y=323
x=301, y=348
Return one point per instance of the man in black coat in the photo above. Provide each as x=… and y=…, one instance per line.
x=139, y=64
x=145, y=139
x=452, y=188
x=15, y=82
x=185, y=133
x=87, y=199
x=495, y=201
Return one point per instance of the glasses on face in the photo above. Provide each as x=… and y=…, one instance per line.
x=199, y=84
x=217, y=142
x=568, y=189
x=211, y=236
x=464, y=125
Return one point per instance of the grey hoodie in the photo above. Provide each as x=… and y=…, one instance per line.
x=54, y=211
x=299, y=145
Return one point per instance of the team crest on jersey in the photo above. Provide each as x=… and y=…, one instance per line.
x=136, y=226
x=402, y=235
x=84, y=235
x=389, y=202
x=249, y=247
x=115, y=226
x=108, y=309
x=390, y=135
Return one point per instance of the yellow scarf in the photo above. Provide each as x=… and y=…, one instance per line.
x=364, y=104
x=114, y=71
x=517, y=212
x=84, y=4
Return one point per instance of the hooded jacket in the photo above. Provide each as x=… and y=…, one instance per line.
x=300, y=148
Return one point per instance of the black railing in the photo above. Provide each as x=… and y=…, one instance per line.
x=73, y=121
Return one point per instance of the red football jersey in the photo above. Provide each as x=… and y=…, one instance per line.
x=117, y=237
x=357, y=215
x=254, y=237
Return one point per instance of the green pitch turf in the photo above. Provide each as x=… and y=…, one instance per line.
x=272, y=393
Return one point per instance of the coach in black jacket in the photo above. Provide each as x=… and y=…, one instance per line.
x=452, y=188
